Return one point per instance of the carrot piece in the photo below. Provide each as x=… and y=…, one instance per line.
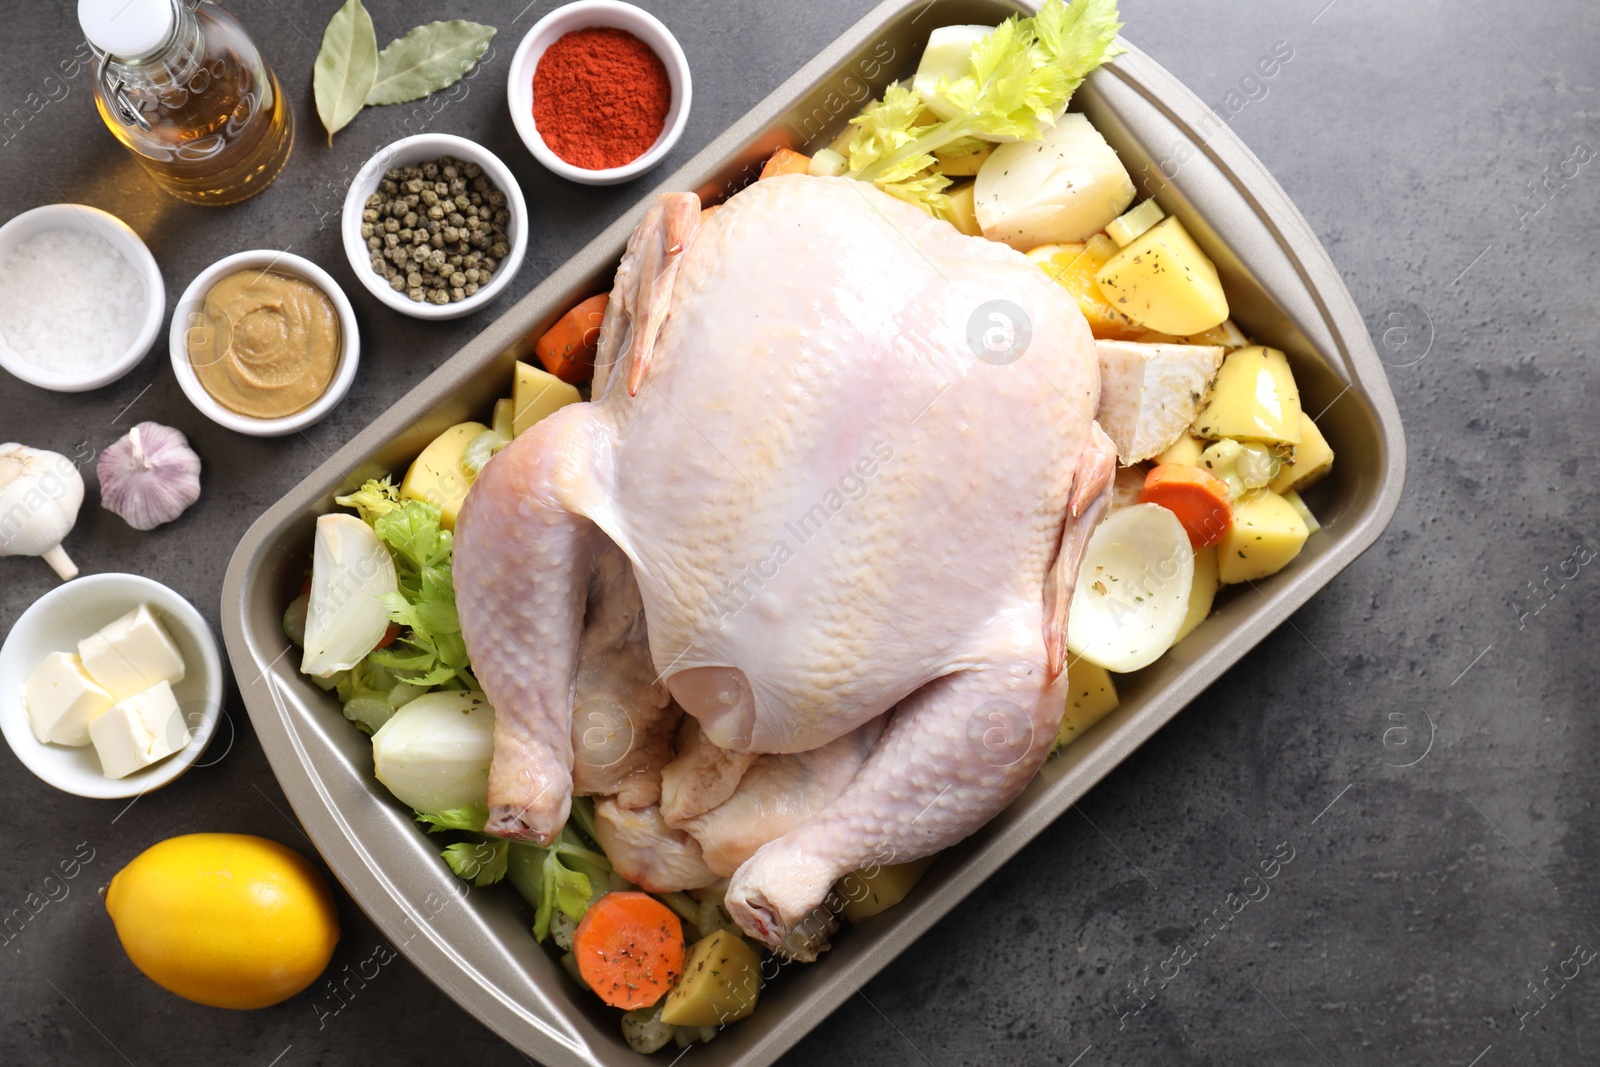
x=786, y=161
x=567, y=349
x=1199, y=500
x=389, y=636
x=629, y=948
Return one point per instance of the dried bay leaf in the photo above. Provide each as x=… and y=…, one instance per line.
x=428, y=59
x=346, y=67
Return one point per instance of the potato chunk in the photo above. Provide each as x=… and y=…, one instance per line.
x=537, y=393
x=1254, y=399
x=1267, y=533
x=962, y=159
x=1185, y=450
x=1203, y=592
x=437, y=476
x=1091, y=696
x=868, y=892
x=962, y=217
x=1162, y=280
x=1312, y=459
x=720, y=984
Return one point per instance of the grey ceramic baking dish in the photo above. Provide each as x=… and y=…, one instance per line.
x=475, y=944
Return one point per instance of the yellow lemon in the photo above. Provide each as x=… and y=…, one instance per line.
x=228, y=920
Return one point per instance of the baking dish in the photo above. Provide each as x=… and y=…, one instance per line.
x=474, y=943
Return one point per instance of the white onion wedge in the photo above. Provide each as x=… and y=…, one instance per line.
x=433, y=753
x=1059, y=190
x=351, y=571
x=948, y=54
x=1133, y=589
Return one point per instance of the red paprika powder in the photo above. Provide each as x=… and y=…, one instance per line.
x=600, y=97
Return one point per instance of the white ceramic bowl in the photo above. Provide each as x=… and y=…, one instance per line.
x=126, y=242
x=422, y=148
x=61, y=618
x=284, y=263
x=582, y=15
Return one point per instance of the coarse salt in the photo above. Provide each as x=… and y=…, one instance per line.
x=70, y=303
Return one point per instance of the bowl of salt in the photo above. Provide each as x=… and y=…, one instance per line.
x=95, y=328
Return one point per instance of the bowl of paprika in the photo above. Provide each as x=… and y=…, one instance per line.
x=599, y=91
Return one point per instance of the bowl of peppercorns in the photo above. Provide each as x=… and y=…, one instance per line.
x=435, y=226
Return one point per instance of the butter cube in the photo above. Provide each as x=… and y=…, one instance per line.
x=138, y=731
x=61, y=700
x=132, y=654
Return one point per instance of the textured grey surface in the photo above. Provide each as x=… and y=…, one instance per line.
x=1420, y=737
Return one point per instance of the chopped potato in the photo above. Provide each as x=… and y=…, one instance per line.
x=720, y=984
x=1267, y=533
x=867, y=893
x=962, y=159
x=1091, y=696
x=962, y=217
x=1163, y=281
x=437, y=476
x=1305, y=513
x=1312, y=459
x=1203, y=592
x=1254, y=399
x=538, y=393
x=1227, y=335
x=1073, y=267
x=1185, y=450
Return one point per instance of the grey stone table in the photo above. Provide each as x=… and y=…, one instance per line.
x=1424, y=140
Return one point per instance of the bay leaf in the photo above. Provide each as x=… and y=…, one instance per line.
x=428, y=59
x=346, y=67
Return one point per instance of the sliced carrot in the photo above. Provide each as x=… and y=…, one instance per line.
x=567, y=349
x=786, y=161
x=629, y=948
x=389, y=636
x=1199, y=500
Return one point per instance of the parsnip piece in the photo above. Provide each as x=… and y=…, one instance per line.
x=1149, y=394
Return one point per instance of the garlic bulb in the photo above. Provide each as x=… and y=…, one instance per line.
x=40, y=493
x=150, y=476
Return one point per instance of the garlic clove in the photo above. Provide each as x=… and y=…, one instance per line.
x=150, y=476
x=40, y=494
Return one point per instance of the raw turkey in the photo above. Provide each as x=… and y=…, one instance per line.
x=850, y=456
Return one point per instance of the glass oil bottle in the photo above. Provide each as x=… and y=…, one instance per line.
x=187, y=92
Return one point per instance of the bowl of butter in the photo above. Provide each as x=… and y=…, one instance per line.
x=111, y=685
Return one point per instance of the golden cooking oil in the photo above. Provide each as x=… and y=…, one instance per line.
x=190, y=95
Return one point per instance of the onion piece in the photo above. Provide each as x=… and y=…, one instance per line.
x=1133, y=589
x=433, y=753
x=351, y=572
